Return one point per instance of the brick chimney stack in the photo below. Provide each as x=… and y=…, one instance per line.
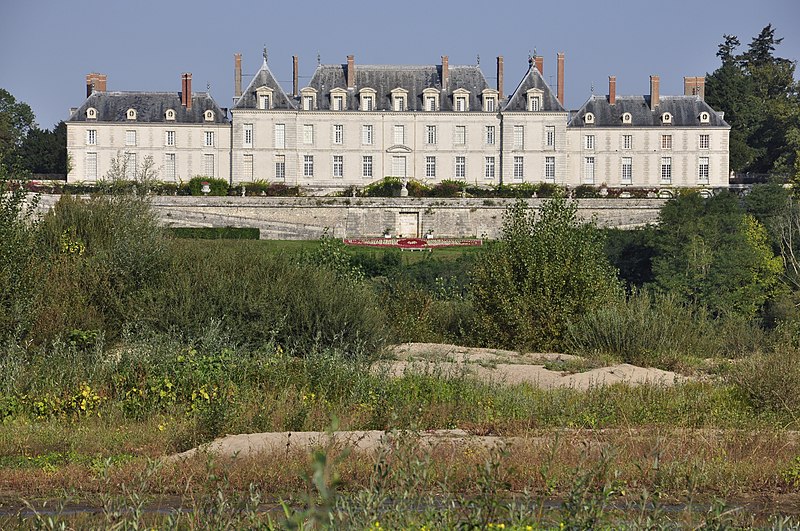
x=654, y=85
x=351, y=72
x=539, y=64
x=500, y=76
x=612, y=90
x=295, y=76
x=445, y=72
x=237, y=75
x=560, y=73
x=694, y=86
x=95, y=83
x=186, y=90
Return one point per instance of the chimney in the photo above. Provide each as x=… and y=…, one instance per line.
x=612, y=90
x=560, y=73
x=95, y=83
x=351, y=72
x=295, y=77
x=500, y=76
x=445, y=72
x=694, y=86
x=653, y=92
x=237, y=75
x=186, y=90
x=539, y=64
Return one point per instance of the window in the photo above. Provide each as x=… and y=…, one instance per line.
x=430, y=103
x=169, y=138
x=702, y=172
x=366, y=166
x=704, y=141
x=460, y=137
x=280, y=136
x=588, y=170
x=280, y=167
x=430, y=134
x=550, y=169
x=170, y=169
x=519, y=168
x=398, y=166
x=209, y=116
x=338, y=134
x=248, y=135
x=131, y=114
x=308, y=134
x=247, y=167
x=627, y=141
x=91, y=113
x=490, y=104
x=209, y=138
x=399, y=134
x=461, y=103
x=666, y=141
x=666, y=170
x=308, y=103
x=588, y=118
x=130, y=166
x=338, y=103
x=308, y=165
x=399, y=102
x=588, y=141
x=666, y=118
x=461, y=167
x=534, y=102
x=550, y=135
x=627, y=170
x=170, y=115
x=489, y=173
x=338, y=166
x=519, y=137
x=208, y=165
x=627, y=118
x=704, y=117
x=366, y=135
x=367, y=103
x=430, y=167
x=91, y=166
x=490, y=134
x=130, y=138
x=91, y=137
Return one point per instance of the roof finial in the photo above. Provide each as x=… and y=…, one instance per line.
x=319, y=58
x=265, y=54
x=591, y=88
x=534, y=50
x=478, y=58
x=208, y=86
x=530, y=58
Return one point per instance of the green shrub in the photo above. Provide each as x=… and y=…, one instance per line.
x=218, y=186
x=585, y=191
x=769, y=381
x=448, y=188
x=386, y=187
x=215, y=233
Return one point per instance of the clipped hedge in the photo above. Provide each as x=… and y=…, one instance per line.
x=215, y=233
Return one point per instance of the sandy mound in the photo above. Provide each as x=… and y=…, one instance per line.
x=250, y=444
x=514, y=368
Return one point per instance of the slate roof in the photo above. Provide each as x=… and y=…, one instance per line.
x=264, y=77
x=518, y=101
x=685, y=111
x=385, y=78
x=151, y=107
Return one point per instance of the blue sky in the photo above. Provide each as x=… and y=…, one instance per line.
x=48, y=46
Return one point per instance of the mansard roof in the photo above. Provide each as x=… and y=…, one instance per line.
x=264, y=78
x=685, y=111
x=518, y=101
x=385, y=78
x=151, y=107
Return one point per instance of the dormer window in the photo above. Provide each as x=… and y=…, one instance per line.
x=309, y=98
x=666, y=118
x=627, y=118
x=489, y=100
x=588, y=118
x=367, y=96
x=430, y=98
x=338, y=99
x=91, y=113
x=170, y=115
x=399, y=100
x=535, y=99
x=209, y=116
x=705, y=117
x=131, y=114
x=461, y=100
x=264, y=98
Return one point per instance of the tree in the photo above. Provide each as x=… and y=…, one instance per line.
x=712, y=253
x=45, y=151
x=16, y=119
x=543, y=271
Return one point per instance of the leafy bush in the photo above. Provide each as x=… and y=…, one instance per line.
x=544, y=271
x=585, y=191
x=769, y=381
x=218, y=186
x=387, y=187
x=447, y=188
